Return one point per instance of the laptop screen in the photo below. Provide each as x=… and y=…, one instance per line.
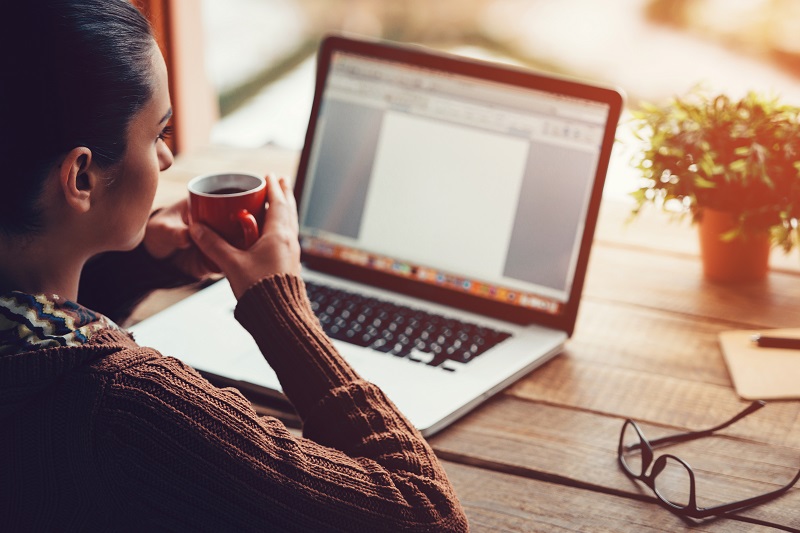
x=463, y=183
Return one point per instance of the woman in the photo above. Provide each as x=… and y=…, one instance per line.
x=102, y=434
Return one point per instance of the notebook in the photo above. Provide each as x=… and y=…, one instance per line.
x=761, y=373
x=447, y=207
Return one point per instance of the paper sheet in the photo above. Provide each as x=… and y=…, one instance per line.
x=762, y=373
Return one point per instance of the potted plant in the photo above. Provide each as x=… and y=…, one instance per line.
x=732, y=165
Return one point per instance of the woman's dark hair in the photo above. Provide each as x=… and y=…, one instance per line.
x=74, y=73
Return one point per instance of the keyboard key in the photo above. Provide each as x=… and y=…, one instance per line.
x=402, y=331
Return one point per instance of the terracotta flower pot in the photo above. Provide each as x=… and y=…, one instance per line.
x=745, y=258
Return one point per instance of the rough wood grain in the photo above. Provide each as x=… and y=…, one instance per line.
x=659, y=232
x=577, y=448
x=497, y=502
x=674, y=283
x=662, y=369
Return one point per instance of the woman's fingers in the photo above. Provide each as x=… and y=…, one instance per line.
x=291, y=201
x=214, y=247
x=166, y=232
x=282, y=207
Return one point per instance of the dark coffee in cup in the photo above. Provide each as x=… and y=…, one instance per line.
x=228, y=190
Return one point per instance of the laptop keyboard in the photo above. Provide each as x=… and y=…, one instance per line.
x=401, y=331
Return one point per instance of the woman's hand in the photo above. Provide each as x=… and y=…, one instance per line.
x=277, y=250
x=167, y=237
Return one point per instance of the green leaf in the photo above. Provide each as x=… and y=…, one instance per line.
x=640, y=195
x=702, y=183
x=731, y=235
x=740, y=165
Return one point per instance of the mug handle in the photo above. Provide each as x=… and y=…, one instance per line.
x=249, y=227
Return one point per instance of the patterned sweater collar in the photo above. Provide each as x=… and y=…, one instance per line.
x=37, y=321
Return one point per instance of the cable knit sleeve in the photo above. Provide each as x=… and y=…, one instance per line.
x=194, y=457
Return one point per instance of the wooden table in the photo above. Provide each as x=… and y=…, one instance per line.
x=541, y=456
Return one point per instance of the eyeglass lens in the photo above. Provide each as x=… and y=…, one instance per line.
x=673, y=483
x=631, y=453
x=670, y=477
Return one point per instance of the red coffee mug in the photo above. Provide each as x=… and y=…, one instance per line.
x=232, y=204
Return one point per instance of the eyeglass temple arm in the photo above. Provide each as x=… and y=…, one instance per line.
x=689, y=435
x=749, y=502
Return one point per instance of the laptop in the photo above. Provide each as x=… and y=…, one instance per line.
x=447, y=208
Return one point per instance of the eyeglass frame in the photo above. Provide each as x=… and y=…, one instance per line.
x=691, y=509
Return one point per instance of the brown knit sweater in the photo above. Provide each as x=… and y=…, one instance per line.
x=111, y=436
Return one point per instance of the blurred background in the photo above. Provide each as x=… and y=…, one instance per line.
x=259, y=54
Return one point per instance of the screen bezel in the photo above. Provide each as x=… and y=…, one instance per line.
x=423, y=57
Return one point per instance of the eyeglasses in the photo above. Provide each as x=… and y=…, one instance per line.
x=635, y=454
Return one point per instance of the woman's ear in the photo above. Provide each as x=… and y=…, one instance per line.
x=77, y=178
